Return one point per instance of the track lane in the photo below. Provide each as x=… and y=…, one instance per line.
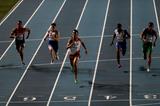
x=112, y=83
x=18, y=14
x=145, y=85
x=48, y=73
x=10, y=76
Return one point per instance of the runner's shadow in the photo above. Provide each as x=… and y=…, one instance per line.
x=142, y=68
x=42, y=69
x=9, y=66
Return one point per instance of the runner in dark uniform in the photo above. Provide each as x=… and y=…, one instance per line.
x=74, y=45
x=121, y=35
x=19, y=34
x=149, y=37
x=53, y=39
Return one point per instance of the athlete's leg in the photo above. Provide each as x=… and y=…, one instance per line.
x=144, y=51
x=75, y=63
x=149, y=57
x=19, y=49
x=124, y=47
x=118, y=47
x=56, y=51
x=71, y=57
x=51, y=53
x=118, y=57
x=21, y=54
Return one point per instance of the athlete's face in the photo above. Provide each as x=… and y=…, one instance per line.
x=53, y=27
x=75, y=35
x=19, y=24
x=150, y=27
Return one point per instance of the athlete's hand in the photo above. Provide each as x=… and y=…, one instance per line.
x=27, y=37
x=86, y=51
x=12, y=37
x=154, y=44
x=111, y=44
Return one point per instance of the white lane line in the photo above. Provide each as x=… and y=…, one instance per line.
x=131, y=54
x=88, y=61
x=85, y=37
x=99, y=51
x=24, y=26
x=84, y=101
x=64, y=60
x=147, y=104
x=11, y=11
x=27, y=67
x=155, y=9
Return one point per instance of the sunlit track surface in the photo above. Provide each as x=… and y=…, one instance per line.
x=101, y=82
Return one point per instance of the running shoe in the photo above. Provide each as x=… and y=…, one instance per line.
x=119, y=65
x=76, y=81
x=57, y=57
x=148, y=69
x=51, y=61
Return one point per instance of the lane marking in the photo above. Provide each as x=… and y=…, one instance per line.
x=11, y=11
x=34, y=53
x=155, y=9
x=84, y=101
x=148, y=104
x=87, y=61
x=24, y=26
x=64, y=60
x=99, y=51
x=83, y=37
x=131, y=53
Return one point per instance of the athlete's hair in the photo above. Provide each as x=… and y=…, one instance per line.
x=119, y=27
x=75, y=31
x=19, y=22
x=53, y=24
x=150, y=24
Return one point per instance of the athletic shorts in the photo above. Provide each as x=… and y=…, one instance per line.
x=19, y=43
x=53, y=44
x=147, y=47
x=122, y=46
x=73, y=55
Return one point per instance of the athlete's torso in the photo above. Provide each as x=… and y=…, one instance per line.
x=149, y=35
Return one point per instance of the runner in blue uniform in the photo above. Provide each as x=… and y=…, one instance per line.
x=121, y=35
x=53, y=39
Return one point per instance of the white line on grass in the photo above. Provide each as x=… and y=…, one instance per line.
x=131, y=52
x=64, y=60
x=27, y=66
x=99, y=51
x=11, y=11
x=24, y=26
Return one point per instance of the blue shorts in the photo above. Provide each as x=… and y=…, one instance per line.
x=122, y=46
x=53, y=44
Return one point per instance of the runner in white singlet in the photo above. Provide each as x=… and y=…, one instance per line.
x=74, y=45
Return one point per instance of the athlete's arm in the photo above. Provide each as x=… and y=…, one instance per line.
x=142, y=35
x=13, y=33
x=84, y=46
x=154, y=43
x=57, y=36
x=114, y=35
x=69, y=44
x=128, y=35
x=29, y=31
